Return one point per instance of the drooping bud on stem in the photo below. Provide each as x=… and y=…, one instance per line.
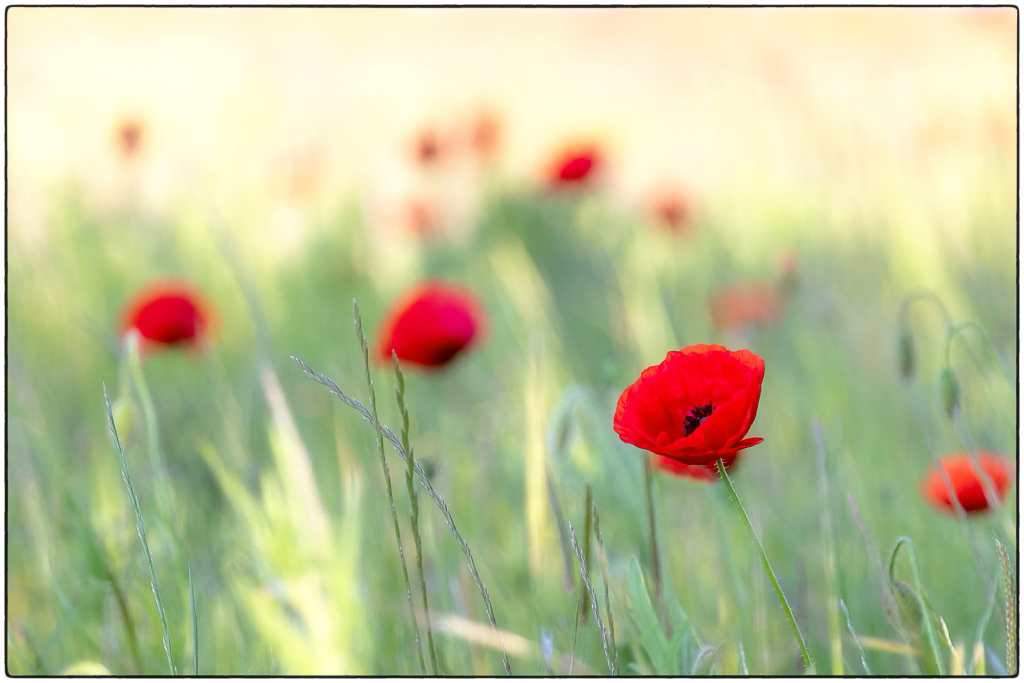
x=905, y=354
x=908, y=608
x=949, y=391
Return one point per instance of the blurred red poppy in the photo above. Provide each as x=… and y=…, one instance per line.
x=966, y=481
x=576, y=166
x=429, y=147
x=129, y=134
x=485, y=134
x=672, y=212
x=699, y=472
x=746, y=305
x=421, y=218
x=695, y=406
x=431, y=325
x=168, y=314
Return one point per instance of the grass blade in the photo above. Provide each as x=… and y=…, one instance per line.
x=831, y=570
x=593, y=601
x=142, y=533
x=856, y=640
x=195, y=620
x=387, y=481
x=603, y=563
x=563, y=535
x=427, y=486
x=587, y=523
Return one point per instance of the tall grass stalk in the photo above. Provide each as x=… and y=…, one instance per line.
x=1010, y=598
x=129, y=624
x=856, y=640
x=831, y=578
x=415, y=505
x=563, y=534
x=142, y=533
x=603, y=563
x=808, y=662
x=387, y=480
x=427, y=486
x=593, y=602
x=587, y=523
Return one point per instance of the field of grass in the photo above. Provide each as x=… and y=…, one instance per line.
x=269, y=544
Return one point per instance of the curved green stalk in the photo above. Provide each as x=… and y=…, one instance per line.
x=808, y=662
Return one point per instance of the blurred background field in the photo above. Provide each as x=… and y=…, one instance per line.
x=823, y=164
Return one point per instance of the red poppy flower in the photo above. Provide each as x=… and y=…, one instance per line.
x=746, y=305
x=576, y=166
x=699, y=472
x=696, y=406
x=168, y=314
x=966, y=481
x=432, y=325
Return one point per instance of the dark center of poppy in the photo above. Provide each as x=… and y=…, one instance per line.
x=695, y=417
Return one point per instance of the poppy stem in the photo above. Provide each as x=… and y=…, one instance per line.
x=655, y=557
x=917, y=295
x=808, y=663
x=163, y=491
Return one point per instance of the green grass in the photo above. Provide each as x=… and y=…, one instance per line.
x=292, y=564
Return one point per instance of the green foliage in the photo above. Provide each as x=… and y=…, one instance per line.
x=274, y=551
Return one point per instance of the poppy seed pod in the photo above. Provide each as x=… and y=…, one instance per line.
x=905, y=354
x=949, y=391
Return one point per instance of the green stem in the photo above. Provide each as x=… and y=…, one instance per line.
x=652, y=529
x=953, y=330
x=917, y=295
x=808, y=663
x=156, y=461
